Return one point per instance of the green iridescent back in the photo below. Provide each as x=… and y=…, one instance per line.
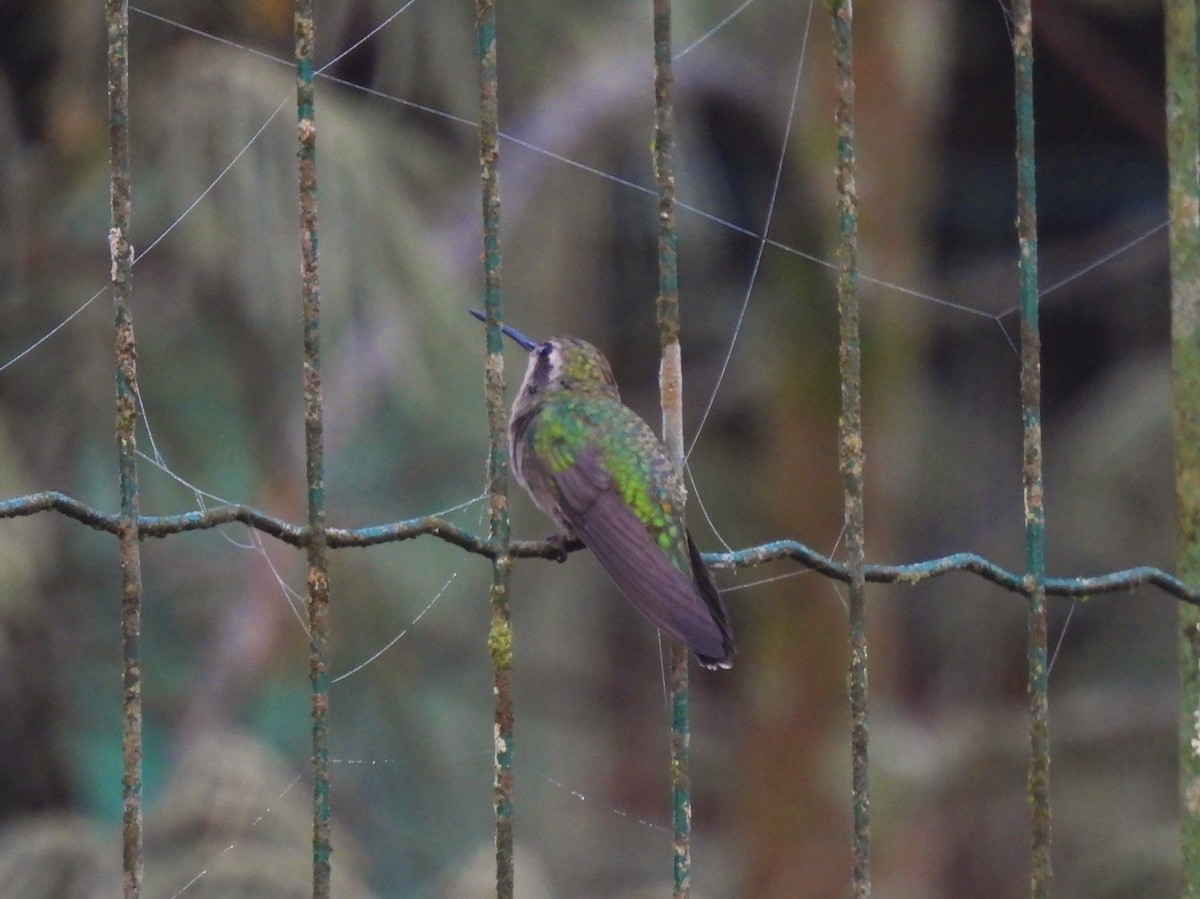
x=587, y=413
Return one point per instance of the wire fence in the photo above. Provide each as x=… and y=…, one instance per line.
x=1183, y=142
x=317, y=539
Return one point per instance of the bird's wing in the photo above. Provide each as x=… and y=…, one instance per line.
x=707, y=589
x=593, y=509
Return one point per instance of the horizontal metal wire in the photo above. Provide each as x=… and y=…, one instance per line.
x=435, y=526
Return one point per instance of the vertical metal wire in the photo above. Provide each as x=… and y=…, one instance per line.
x=1035, y=518
x=117, y=20
x=670, y=379
x=314, y=446
x=1183, y=142
x=851, y=442
x=500, y=634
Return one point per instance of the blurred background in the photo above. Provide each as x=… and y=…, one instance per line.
x=217, y=313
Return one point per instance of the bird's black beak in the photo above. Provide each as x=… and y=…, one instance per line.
x=525, y=342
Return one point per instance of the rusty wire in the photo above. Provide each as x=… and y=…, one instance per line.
x=1182, y=26
x=126, y=521
x=317, y=538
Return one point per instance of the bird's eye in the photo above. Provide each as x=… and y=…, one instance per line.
x=545, y=350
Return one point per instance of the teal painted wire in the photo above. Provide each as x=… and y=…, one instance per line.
x=1182, y=33
x=161, y=526
x=500, y=637
x=315, y=540
x=851, y=445
x=671, y=384
x=117, y=16
x=1035, y=517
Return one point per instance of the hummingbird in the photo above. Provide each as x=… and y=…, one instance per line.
x=599, y=471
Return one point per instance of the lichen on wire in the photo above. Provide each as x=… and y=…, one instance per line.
x=850, y=444
x=909, y=574
x=126, y=521
x=314, y=535
x=317, y=538
x=1035, y=514
x=500, y=635
x=670, y=379
x=1182, y=36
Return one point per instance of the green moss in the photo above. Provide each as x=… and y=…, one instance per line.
x=500, y=644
